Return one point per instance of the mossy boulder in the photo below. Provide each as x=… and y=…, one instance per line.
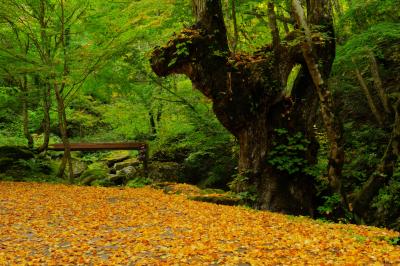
x=116, y=157
x=163, y=171
x=222, y=199
x=78, y=167
x=14, y=157
x=126, y=163
x=116, y=179
x=157, y=171
x=5, y=164
x=95, y=171
x=16, y=152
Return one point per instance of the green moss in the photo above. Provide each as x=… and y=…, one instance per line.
x=95, y=172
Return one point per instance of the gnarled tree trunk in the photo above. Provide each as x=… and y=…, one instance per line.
x=249, y=99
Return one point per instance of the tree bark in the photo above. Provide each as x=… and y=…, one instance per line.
x=368, y=95
x=248, y=98
x=62, y=120
x=235, y=27
x=362, y=199
x=319, y=74
x=378, y=82
x=25, y=114
x=62, y=117
x=46, y=119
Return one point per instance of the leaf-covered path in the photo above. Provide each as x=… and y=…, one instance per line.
x=44, y=224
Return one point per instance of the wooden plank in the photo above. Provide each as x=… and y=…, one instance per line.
x=100, y=146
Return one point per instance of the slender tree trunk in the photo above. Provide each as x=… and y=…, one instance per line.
x=235, y=27
x=60, y=104
x=362, y=199
x=62, y=120
x=25, y=115
x=284, y=22
x=46, y=118
x=368, y=95
x=378, y=82
x=153, y=126
x=337, y=6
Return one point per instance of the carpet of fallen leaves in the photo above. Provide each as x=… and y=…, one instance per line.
x=44, y=224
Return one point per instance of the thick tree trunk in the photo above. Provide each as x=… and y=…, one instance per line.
x=248, y=98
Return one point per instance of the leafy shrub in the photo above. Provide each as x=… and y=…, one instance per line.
x=387, y=203
x=138, y=182
x=288, y=155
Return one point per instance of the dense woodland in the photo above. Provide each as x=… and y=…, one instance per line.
x=287, y=106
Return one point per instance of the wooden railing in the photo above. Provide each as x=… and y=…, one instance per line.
x=142, y=147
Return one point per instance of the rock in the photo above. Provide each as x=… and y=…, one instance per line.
x=116, y=157
x=129, y=162
x=16, y=152
x=163, y=171
x=157, y=171
x=127, y=171
x=96, y=171
x=78, y=167
x=5, y=164
x=217, y=199
x=105, y=182
x=117, y=180
x=55, y=154
x=15, y=159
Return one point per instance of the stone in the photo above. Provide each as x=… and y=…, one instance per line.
x=117, y=179
x=95, y=171
x=129, y=162
x=116, y=157
x=163, y=171
x=78, y=168
x=127, y=171
x=5, y=164
x=217, y=199
x=16, y=152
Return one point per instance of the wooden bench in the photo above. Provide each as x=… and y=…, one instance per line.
x=142, y=147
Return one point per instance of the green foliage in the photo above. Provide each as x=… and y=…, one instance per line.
x=287, y=155
x=362, y=14
x=182, y=48
x=376, y=39
x=243, y=189
x=96, y=174
x=29, y=170
x=240, y=182
x=331, y=203
x=138, y=182
x=248, y=197
x=394, y=240
x=387, y=203
x=362, y=159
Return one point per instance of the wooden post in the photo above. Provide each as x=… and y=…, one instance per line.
x=146, y=159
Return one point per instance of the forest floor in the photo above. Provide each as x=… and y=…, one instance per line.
x=47, y=224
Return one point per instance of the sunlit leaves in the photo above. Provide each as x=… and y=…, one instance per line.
x=57, y=224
